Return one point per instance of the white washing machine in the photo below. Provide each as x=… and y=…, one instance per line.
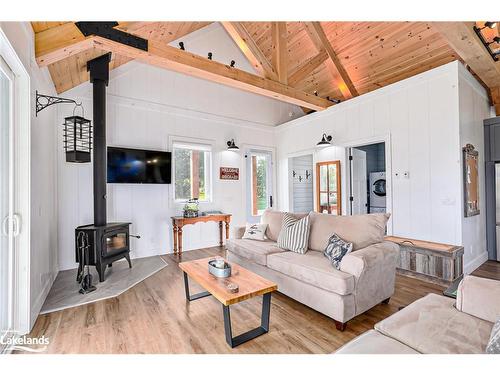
x=377, y=192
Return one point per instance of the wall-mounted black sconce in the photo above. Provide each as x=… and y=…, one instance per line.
x=233, y=63
x=487, y=44
x=181, y=46
x=325, y=141
x=210, y=55
x=231, y=145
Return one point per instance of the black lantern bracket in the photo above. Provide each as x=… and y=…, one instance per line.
x=44, y=101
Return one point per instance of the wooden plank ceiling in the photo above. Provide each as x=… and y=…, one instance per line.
x=338, y=60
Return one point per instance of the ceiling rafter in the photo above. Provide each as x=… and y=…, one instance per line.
x=280, y=50
x=165, y=56
x=321, y=42
x=249, y=48
x=462, y=38
x=307, y=67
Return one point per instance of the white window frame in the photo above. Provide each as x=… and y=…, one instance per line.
x=200, y=145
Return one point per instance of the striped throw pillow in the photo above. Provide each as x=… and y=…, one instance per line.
x=294, y=235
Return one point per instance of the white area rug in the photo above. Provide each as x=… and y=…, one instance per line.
x=119, y=278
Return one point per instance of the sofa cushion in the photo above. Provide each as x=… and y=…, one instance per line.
x=361, y=230
x=294, y=234
x=432, y=325
x=314, y=269
x=256, y=251
x=274, y=221
x=373, y=342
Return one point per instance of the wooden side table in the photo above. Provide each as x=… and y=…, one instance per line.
x=179, y=221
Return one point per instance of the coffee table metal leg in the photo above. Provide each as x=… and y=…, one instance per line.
x=194, y=296
x=253, y=333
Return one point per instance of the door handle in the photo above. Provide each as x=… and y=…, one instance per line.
x=16, y=224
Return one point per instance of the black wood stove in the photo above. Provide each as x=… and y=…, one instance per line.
x=104, y=242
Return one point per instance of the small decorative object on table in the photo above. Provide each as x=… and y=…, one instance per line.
x=219, y=267
x=191, y=208
x=233, y=288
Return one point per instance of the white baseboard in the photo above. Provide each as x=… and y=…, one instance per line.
x=37, y=305
x=475, y=263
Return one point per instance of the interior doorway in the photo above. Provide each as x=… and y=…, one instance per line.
x=367, y=166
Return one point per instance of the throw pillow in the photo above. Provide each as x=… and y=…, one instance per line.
x=294, y=235
x=255, y=232
x=493, y=346
x=336, y=249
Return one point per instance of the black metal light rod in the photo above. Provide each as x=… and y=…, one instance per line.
x=493, y=55
x=44, y=101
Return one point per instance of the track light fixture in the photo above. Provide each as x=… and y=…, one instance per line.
x=336, y=101
x=232, y=146
x=315, y=92
x=181, y=45
x=232, y=63
x=210, y=55
x=325, y=141
x=487, y=44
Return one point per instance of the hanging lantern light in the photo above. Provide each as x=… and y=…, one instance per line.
x=77, y=138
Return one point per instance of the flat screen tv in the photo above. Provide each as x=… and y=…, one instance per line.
x=133, y=166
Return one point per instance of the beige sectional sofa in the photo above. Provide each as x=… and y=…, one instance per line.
x=366, y=276
x=436, y=324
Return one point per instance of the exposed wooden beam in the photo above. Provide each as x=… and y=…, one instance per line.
x=280, y=50
x=495, y=97
x=306, y=68
x=165, y=56
x=249, y=48
x=462, y=38
x=321, y=42
x=59, y=42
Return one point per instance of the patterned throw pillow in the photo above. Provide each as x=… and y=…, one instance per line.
x=255, y=232
x=294, y=234
x=493, y=346
x=336, y=249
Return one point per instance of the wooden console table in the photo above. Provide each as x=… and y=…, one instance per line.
x=179, y=221
x=429, y=261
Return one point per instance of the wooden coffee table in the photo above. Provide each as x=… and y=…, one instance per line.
x=250, y=285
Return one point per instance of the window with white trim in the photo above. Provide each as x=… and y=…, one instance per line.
x=192, y=167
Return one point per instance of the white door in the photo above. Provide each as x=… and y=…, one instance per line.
x=259, y=166
x=359, y=197
x=8, y=219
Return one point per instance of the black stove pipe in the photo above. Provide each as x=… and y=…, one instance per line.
x=99, y=77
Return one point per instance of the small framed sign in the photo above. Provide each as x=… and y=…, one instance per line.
x=227, y=173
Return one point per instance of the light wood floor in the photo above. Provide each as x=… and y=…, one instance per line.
x=153, y=317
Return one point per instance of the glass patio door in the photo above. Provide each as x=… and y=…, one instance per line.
x=259, y=184
x=7, y=217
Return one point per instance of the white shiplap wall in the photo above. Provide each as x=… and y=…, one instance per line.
x=303, y=197
x=420, y=119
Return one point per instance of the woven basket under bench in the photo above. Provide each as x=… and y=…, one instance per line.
x=429, y=261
